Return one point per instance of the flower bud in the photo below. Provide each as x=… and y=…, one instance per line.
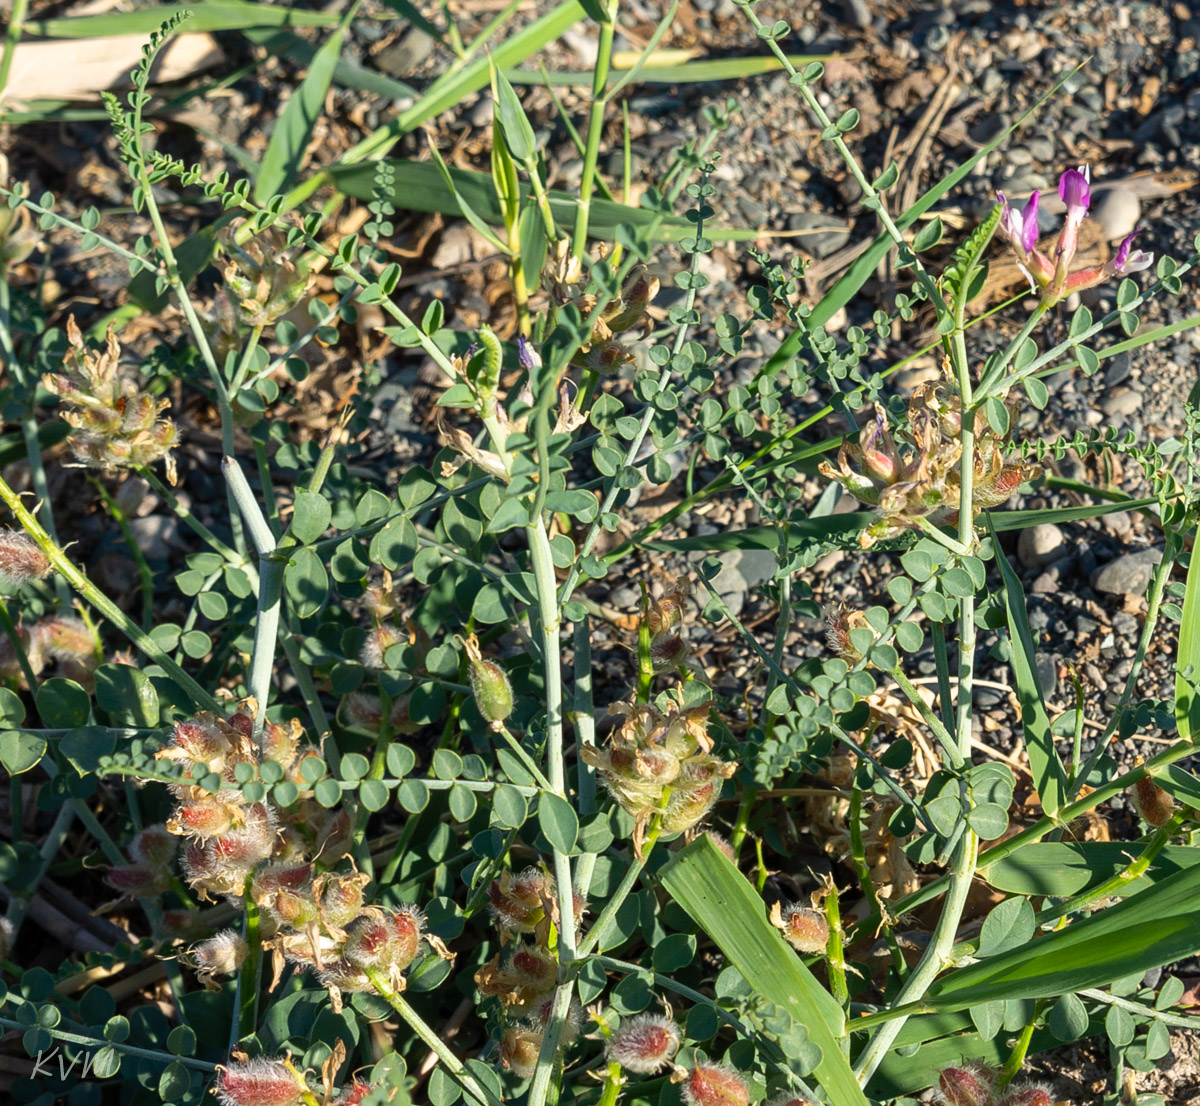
x=1028, y=1094
x=840, y=621
x=517, y=901
x=805, y=929
x=1152, y=802
x=715, y=1085
x=222, y=954
x=258, y=1082
x=341, y=897
x=489, y=684
x=645, y=1044
x=21, y=560
x=969, y=1085
x=354, y=1095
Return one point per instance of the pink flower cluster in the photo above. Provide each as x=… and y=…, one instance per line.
x=1053, y=276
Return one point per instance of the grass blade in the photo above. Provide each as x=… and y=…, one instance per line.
x=689, y=72
x=1064, y=868
x=420, y=187
x=719, y=898
x=1187, y=702
x=1049, y=775
x=294, y=127
x=1157, y=927
x=213, y=15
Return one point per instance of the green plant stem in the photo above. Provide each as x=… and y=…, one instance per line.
x=97, y=1043
x=18, y=904
x=1117, y=885
x=246, y=1020
x=989, y=379
x=1016, y=1058
x=585, y=735
x=1176, y=1021
x=270, y=589
x=836, y=960
x=431, y=1040
x=16, y=20
x=945, y=739
x=1045, y=825
x=18, y=647
x=190, y=520
x=932, y=961
x=596, y=935
x=105, y=606
x=595, y=128
x=145, y=576
x=522, y=755
x=1154, y=600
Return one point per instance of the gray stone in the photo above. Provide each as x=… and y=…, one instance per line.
x=154, y=535
x=742, y=571
x=1127, y=575
x=831, y=236
x=1119, y=523
x=1040, y=545
x=400, y=60
x=483, y=112
x=1119, y=368
x=1125, y=401
x=1117, y=210
x=456, y=247
x=857, y=13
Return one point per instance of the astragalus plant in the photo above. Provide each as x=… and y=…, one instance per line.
x=370, y=832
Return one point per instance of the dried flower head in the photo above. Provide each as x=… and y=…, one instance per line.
x=258, y=1082
x=116, y=425
x=644, y=1044
x=262, y=274
x=710, y=1084
x=21, y=560
x=805, y=929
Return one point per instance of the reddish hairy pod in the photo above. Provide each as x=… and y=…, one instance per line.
x=805, y=929
x=969, y=1085
x=645, y=1044
x=1153, y=803
x=221, y=954
x=715, y=1085
x=519, y=1048
x=1028, y=1094
x=153, y=846
x=21, y=560
x=258, y=1082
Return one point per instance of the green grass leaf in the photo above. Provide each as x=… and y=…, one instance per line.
x=1049, y=775
x=1159, y=926
x=294, y=127
x=1187, y=702
x=719, y=898
x=1064, y=868
x=212, y=15
x=689, y=72
x=421, y=187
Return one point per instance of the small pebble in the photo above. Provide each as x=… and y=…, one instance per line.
x=1040, y=545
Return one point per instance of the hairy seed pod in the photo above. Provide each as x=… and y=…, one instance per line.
x=715, y=1085
x=1028, y=1094
x=221, y=954
x=489, y=684
x=153, y=846
x=519, y=1048
x=969, y=1085
x=1153, y=803
x=258, y=1082
x=805, y=929
x=645, y=1044
x=21, y=560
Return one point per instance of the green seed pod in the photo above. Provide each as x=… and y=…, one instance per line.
x=489, y=684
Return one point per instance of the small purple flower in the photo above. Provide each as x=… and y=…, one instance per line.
x=527, y=356
x=1130, y=262
x=1075, y=190
x=1022, y=229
